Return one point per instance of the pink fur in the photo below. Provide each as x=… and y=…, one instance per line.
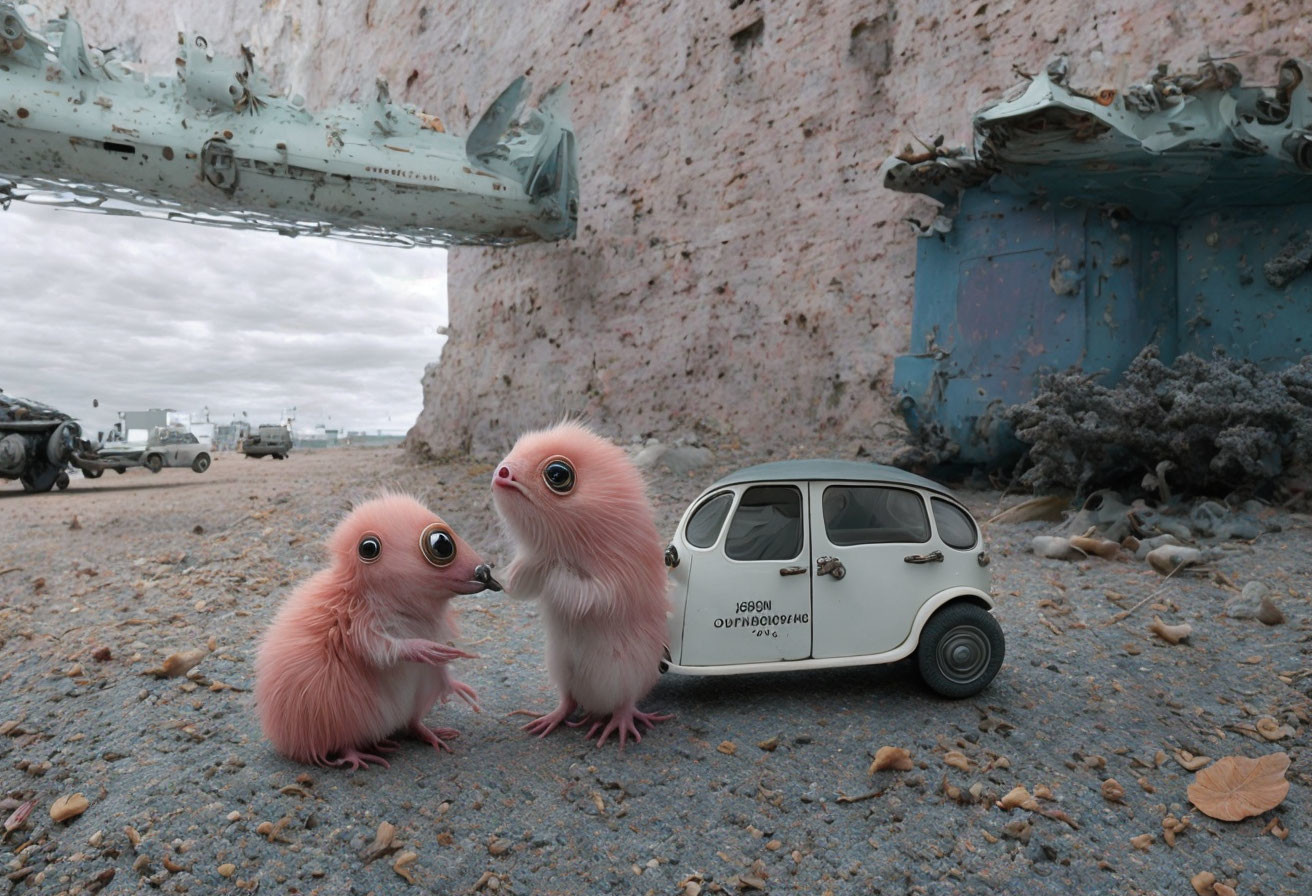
x=357, y=652
x=594, y=559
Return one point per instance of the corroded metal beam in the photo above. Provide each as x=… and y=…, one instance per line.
x=215, y=144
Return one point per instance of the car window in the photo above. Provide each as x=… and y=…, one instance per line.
x=955, y=526
x=706, y=521
x=870, y=514
x=767, y=524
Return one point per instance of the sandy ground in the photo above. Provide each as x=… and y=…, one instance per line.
x=760, y=783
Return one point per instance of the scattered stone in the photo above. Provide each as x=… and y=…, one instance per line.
x=1173, y=558
x=1056, y=547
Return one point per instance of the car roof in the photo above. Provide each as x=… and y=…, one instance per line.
x=825, y=470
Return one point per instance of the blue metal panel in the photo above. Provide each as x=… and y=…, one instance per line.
x=1225, y=299
x=1092, y=225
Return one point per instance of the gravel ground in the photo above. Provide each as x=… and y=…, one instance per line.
x=760, y=783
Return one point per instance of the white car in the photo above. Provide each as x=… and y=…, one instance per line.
x=820, y=563
x=166, y=448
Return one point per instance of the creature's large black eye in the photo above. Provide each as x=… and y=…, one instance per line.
x=558, y=475
x=438, y=545
x=370, y=548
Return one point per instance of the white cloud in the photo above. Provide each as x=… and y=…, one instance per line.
x=139, y=313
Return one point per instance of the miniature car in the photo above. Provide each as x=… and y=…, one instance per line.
x=275, y=441
x=819, y=563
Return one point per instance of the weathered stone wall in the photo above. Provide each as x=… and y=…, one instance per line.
x=738, y=266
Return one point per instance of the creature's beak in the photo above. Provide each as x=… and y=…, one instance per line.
x=483, y=574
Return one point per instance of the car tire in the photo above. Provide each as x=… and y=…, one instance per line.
x=961, y=649
x=92, y=474
x=154, y=463
x=201, y=463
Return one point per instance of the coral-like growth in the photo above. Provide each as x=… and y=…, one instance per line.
x=1226, y=425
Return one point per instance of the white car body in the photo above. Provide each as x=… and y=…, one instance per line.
x=756, y=591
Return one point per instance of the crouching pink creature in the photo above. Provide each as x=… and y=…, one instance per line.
x=357, y=652
x=587, y=548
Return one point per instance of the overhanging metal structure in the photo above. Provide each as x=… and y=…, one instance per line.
x=1080, y=227
x=214, y=144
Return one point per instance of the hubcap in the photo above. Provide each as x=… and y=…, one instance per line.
x=963, y=653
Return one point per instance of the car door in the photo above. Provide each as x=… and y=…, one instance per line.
x=749, y=588
x=879, y=536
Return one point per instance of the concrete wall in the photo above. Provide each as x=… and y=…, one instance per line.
x=738, y=268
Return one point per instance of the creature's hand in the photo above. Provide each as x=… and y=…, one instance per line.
x=417, y=650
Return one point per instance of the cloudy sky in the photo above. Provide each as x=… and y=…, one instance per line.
x=139, y=314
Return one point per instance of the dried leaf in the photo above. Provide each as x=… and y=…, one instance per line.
x=957, y=759
x=1236, y=787
x=1018, y=797
x=1220, y=889
x=382, y=844
x=70, y=806
x=179, y=663
x=1099, y=546
x=1112, y=791
x=1047, y=508
x=19, y=815
x=727, y=747
x=1171, y=634
x=1188, y=761
x=1270, y=729
x=402, y=865
x=896, y=758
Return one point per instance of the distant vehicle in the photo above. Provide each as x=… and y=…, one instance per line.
x=166, y=447
x=274, y=441
x=37, y=443
x=821, y=563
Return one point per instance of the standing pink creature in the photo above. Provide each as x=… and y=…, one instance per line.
x=357, y=652
x=586, y=546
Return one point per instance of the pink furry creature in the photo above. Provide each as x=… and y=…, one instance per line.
x=586, y=546
x=357, y=653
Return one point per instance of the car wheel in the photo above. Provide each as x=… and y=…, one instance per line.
x=92, y=474
x=120, y=470
x=154, y=463
x=961, y=649
x=61, y=483
x=201, y=463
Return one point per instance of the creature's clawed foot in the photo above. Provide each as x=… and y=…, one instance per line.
x=386, y=745
x=354, y=759
x=434, y=736
x=465, y=693
x=544, y=725
x=625, y=722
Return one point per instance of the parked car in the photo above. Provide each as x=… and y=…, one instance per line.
x=275, y=441
x=166, y=447
x=821, y=563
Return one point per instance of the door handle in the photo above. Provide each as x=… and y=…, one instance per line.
x=931, y=557
x=830, y=566
x=792, y=571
